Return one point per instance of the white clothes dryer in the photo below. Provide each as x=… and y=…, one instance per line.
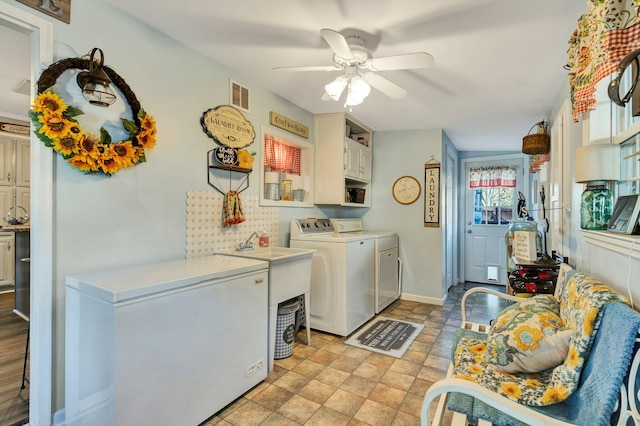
x=342, y=275
x=386, y=282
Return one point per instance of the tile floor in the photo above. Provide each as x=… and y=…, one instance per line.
x=331, y=383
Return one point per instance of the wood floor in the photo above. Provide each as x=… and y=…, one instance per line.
x=14, y=402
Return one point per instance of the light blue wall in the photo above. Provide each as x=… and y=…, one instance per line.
x=396, y=154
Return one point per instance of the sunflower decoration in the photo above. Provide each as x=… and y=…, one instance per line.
x=56, y=125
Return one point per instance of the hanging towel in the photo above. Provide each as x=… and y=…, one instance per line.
x=232, y=209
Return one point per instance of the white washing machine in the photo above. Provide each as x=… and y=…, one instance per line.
x=342, y=275
x=386, y=283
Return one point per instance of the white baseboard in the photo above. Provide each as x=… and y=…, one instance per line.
x=58, y=418
x=423, y=299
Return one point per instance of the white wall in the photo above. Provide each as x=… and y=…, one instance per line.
x=400, y=153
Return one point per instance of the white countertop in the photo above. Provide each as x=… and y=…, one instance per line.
x=118, y=285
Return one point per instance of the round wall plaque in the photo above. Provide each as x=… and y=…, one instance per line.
x=406, y=190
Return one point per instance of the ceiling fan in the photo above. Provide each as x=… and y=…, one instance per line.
x=351, y=55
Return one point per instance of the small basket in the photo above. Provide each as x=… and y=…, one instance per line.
x=535, y=144
x=538, y=143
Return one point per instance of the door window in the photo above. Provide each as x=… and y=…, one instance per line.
x=494, y=194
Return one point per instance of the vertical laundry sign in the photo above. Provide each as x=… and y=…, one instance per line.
x=432, y=194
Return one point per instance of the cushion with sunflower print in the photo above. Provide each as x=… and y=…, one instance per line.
x=528, y=337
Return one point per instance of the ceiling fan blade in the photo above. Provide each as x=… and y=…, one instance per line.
x=400, y=62
x=310, y=68
x=385, y=86
x=337, y=43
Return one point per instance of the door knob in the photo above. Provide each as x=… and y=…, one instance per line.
x=468, y=231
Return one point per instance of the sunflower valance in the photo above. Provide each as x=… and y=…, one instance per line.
x=605, y=34
x=492, y=177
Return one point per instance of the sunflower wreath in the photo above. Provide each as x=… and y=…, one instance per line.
x=56, y=126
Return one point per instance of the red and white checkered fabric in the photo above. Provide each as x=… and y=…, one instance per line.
x=281, y=157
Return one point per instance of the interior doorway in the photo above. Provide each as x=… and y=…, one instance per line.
x=40, y=32
x=490, y=204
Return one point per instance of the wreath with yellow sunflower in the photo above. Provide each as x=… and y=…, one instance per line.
x=56, y=126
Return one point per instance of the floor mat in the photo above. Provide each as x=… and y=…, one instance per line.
x=386, y=336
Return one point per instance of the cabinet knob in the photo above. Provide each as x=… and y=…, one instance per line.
x=259, y=280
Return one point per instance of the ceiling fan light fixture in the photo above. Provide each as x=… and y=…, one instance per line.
x=357, y=90
x=336, y=87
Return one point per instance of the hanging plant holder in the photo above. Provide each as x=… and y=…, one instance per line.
x=537, y=143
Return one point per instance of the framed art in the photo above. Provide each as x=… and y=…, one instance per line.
x=406, y=190
x=239, y=96
x=432, y=194
x=624, y=219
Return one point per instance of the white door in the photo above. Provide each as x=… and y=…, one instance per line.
x=488, y=211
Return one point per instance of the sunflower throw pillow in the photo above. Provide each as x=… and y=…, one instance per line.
x=528, y=337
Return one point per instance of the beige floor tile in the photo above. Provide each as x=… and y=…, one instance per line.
x=292, y=381
x=276, y=419
x=276, y=373
x=405, y=419
x=317, y=391
x=332, y=377
x=250, y=414
x=344, y=402
x=420, y=386
x=398, y=380
x=375, y=414
x=309, y=368
x=327, y=417
x=298, y=409
x=386, y=395
x=303, y=351
x=415, y=356
x=256, y=390
x=439, y=362
x=358, y=385
x=273, y=397
x=345, y=363
x=290, y=362
x=323, y=357
x=335, y=347
x=406, y=367
x=370, y=371
x=357, y=353
x=380, y=360
x=412, y=404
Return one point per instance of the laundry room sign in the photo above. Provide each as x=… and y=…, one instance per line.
x=432, y=194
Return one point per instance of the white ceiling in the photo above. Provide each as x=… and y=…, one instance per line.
x=498, y=63
x=15, y=48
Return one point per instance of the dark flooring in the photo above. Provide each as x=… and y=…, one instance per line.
x=14, y=401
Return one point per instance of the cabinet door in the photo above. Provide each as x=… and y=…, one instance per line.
x=6, y=259
x=6, y=161
x=23, y=198
x=23, y=164
x=6, y=202
x=365, y=163
x=351, y=159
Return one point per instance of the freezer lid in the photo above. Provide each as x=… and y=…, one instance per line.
x=119, y=285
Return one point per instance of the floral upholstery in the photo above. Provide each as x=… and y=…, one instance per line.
x=528, y=337
x=581, y=307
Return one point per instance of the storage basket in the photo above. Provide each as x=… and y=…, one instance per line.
x=285, y=328
x=535, y=144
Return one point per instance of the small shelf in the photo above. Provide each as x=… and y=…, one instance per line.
x=231, y=168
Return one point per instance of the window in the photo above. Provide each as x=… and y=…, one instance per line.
x=285, y=157
x=494, y=194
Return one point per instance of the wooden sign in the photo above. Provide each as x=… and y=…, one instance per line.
x=14, y=128
x=432, y=195
x=227, y=126
x=59, y=9
x=289, y=125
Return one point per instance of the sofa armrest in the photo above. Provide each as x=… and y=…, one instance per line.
x=499, y=402
x=484, y=290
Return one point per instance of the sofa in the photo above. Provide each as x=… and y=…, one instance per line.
x=564, y=359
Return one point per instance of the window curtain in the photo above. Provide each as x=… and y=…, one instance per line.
x=281, y=157
x=492, y=177
x=605, y=34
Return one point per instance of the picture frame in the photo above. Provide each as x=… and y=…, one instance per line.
x=239, y=96
x=624, y=219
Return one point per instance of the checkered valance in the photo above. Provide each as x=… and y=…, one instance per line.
x=605, y=34
x=280, y=156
